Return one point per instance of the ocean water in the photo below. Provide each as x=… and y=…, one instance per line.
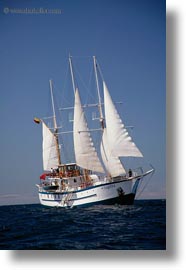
x=141, y=226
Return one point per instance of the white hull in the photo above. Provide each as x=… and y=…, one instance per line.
x=122, y=192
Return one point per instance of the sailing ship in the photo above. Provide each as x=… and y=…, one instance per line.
x=97, y=176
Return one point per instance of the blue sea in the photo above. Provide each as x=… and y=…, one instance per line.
x=141, y=226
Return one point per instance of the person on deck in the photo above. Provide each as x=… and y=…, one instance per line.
x=130, y=173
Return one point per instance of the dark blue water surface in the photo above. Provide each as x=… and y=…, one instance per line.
x=141, y=226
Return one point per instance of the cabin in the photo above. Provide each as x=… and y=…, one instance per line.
x=69, y=177
x=69, y=170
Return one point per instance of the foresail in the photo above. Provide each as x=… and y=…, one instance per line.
x=85, y=152
x=50, y=159
x=112, y=163
x=119, y=141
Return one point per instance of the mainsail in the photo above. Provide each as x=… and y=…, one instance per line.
x=119, y=141
x=112, y=163
x=85, y=152
x=116, y=141
x=50, y=156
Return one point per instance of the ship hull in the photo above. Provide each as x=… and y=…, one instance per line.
x=121, y=192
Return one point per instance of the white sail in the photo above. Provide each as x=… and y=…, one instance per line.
x=119, y=141
x=50, y=159
x=85, y=152
x=113, y=164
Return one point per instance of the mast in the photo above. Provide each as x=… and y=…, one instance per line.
x=99, y=97
x=72, y=74
x=53, y=108
x=85, y=152
x=55, y=123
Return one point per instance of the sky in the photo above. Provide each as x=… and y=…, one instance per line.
x=128, y=39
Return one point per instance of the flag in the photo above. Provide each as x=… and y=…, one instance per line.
x=43, y=176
